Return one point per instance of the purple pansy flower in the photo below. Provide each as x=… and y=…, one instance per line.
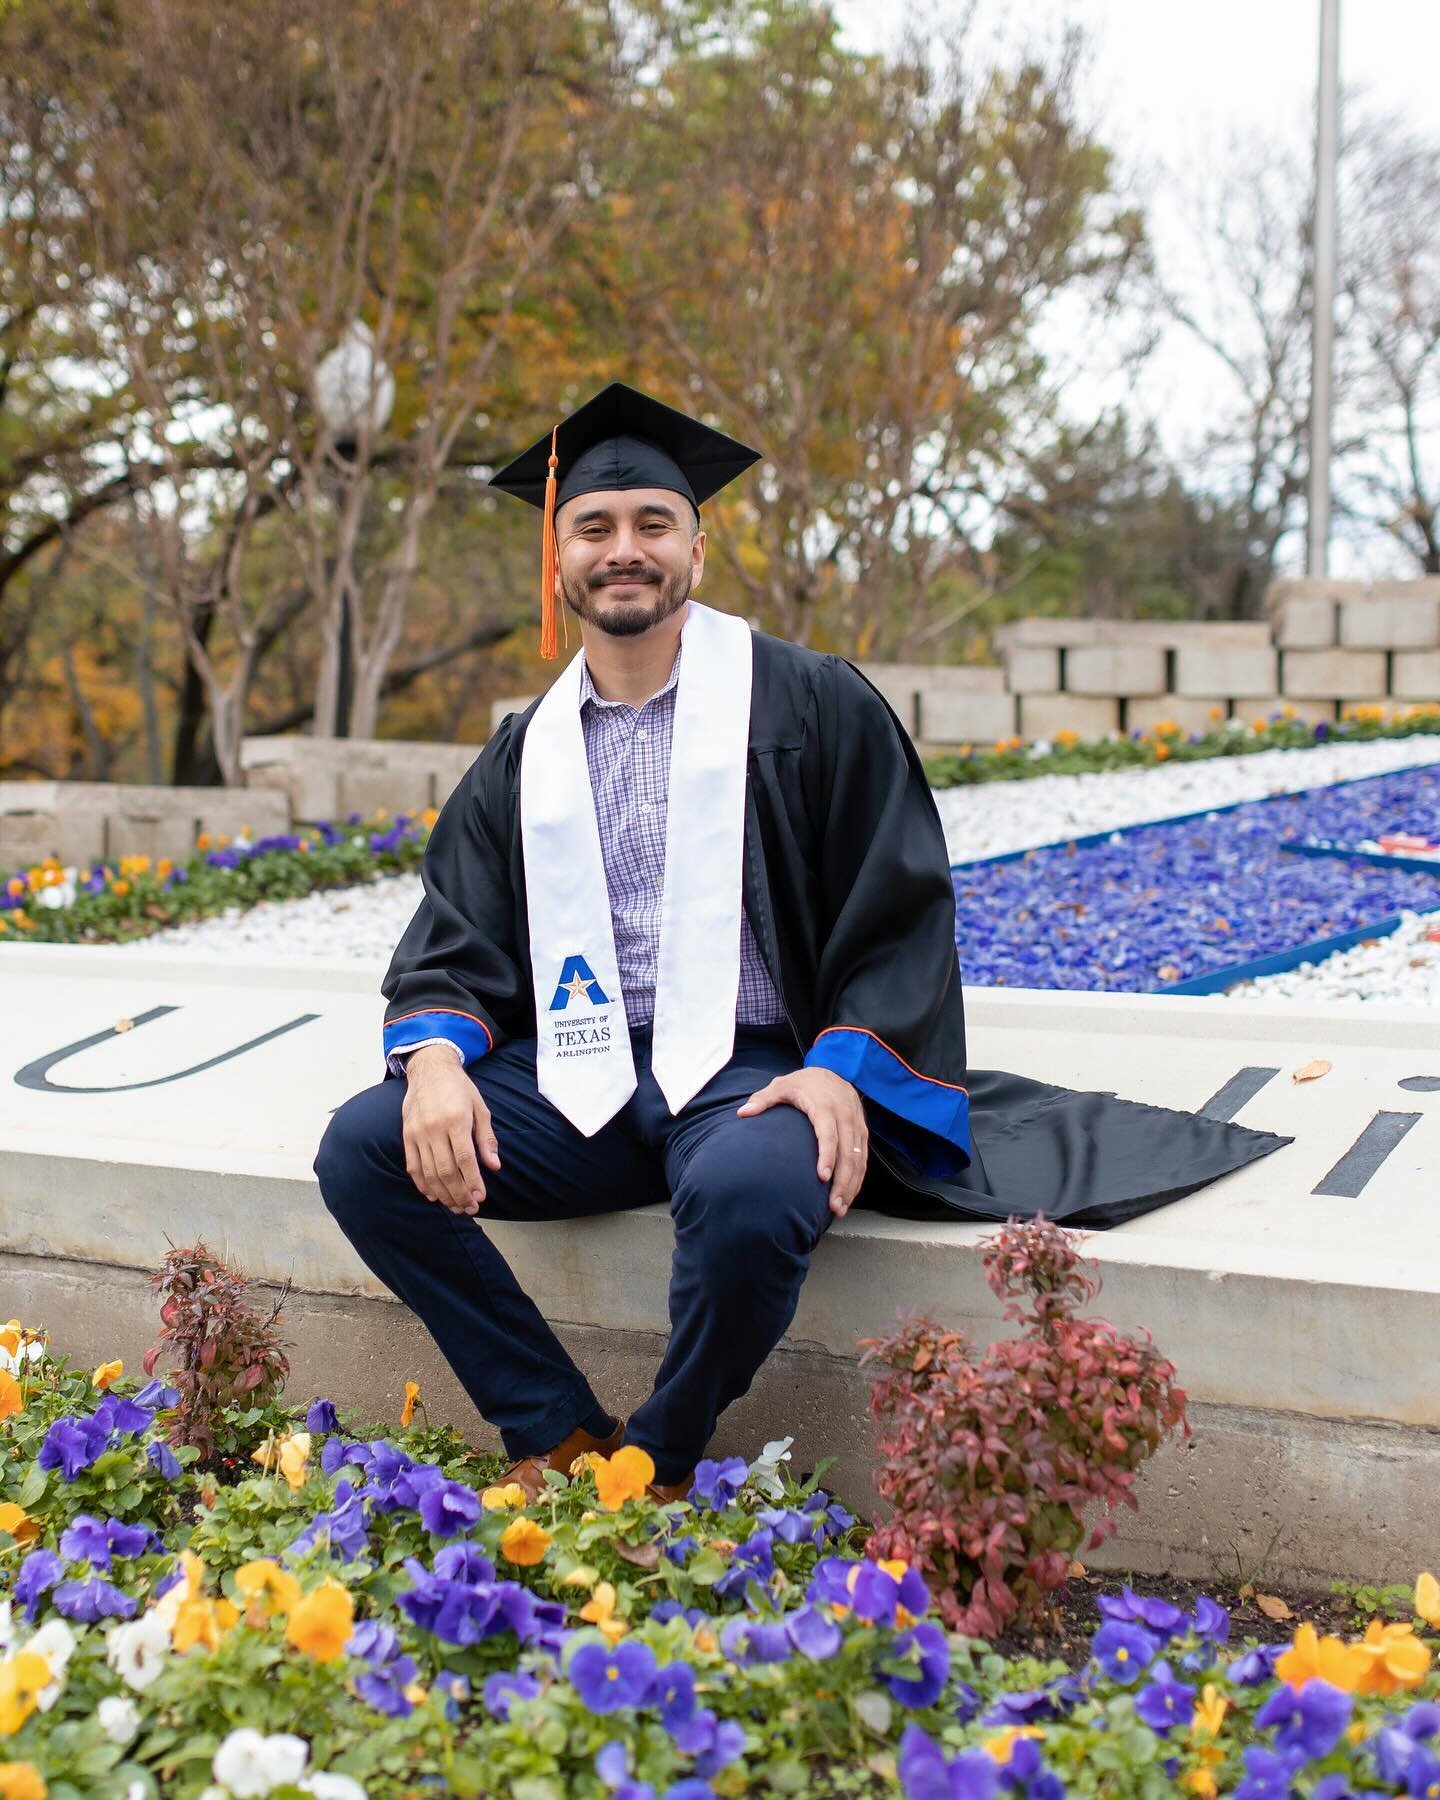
x=923, y=1680
x=673, y=1691
x=464, y=1562
x=71, y=1445
x=713, y=1742
x=164, y=1460
x=40, y=1571
x=1255, y=1666
x=449, y=1508
x=609, y=1677
x=1267, y=1776
x=754, y=1641
x=84, y=1540
x=1310, y=1721
x=752, y=1561
x=87, y=1602
x=1210, y=1621
x=1123, y=1651
x=717, y=1483
x=1166, y=1701
x=322, y=1417
x=501, y=1690
x=812, y=1634
x=157, y=1396
x=925, y=1773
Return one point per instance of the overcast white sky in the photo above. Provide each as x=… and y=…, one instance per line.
x=1170, y=86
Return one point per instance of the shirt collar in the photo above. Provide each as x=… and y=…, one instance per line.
x=588, y=696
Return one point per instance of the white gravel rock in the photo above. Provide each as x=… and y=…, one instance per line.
x=354, y=924
x=997, y=816
x=1403, y=969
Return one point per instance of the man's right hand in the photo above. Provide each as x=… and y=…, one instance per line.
x=444, y=1120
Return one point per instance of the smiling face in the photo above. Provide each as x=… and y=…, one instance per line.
x=628, y=559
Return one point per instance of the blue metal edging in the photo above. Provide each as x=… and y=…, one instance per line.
x=1385, y=859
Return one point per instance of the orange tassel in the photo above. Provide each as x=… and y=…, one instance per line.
x=549, y=561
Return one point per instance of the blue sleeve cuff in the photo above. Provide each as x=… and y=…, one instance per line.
x=466, y=1032
x=927, y=1121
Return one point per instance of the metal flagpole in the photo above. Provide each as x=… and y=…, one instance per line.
x=1322, y=326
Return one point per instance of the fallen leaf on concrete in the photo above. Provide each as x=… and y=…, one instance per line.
x=124, y=1024
x=644, y=1556
x=1076, y=1571
x=1313, y=1070
x=1273, y=1606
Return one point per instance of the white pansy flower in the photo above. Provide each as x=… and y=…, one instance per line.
x=7, y=1628
x=1041, y=747
x=764, y=1472
x=62, y=893
x=119, y=1718
x=248, y=1764
x=213, y=1793
x=332, y=1787
x=55, y=1641
x=34, y=1351
x=137, y=1651
x=8, y=1363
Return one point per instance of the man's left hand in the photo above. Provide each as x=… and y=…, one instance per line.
x=834, y=1108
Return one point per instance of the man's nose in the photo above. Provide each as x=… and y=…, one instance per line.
x=625, y=548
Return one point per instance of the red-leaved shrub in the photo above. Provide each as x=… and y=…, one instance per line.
x=991, y=1458
x=225, y=1351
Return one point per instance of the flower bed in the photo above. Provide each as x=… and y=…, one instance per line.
x=1181, y=899
x=138, y=895
x=363, y=1614
x=1012, y=759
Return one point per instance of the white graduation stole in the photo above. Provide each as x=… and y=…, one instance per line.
x=583, y=1058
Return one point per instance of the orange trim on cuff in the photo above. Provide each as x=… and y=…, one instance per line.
x=422, y=1012
x=932, y=1079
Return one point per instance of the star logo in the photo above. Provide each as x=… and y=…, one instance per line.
x=577, y=982
x=577, y=987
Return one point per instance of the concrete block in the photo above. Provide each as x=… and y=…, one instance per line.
x=1313, y=587
x=1115, y=669
x=1042, y=715
x=87, y=821
x=1404, y=622
x=1415, y=675
x=1226, y=672
x=1264, y=706
x=1305, y=622
x=966, y=718
x=1032, y=670
x=1178, y=709
x=1163, y=634
x=1333, y=674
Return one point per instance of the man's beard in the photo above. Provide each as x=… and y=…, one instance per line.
x=632, y=616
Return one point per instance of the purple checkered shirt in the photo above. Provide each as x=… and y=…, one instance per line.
x=628, y=751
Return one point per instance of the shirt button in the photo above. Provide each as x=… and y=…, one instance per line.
x=646, y=808
x=642, y=733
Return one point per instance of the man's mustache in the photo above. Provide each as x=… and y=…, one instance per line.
x=617, y=580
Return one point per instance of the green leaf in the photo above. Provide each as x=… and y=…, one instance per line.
x=787, y=1775
x=32, y=1488
x=873, y=1708
x=706, y=1568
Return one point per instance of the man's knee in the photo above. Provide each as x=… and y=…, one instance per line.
x=748, y=1211
x=361, y=1145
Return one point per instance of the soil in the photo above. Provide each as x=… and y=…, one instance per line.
x=1075, y=1616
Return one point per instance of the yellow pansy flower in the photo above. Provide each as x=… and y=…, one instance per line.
x=288, y=1456
x=268, y=1589
x=1398, y=1659
x=599, y=1610
x=321, y=1622
x=10, y=1334
x=524, y=1542
x=623, y=1476
x=1427, y=1598
x=412, y=1396
x=22, y=1781
x=201, y=1622
x=1210, y=1711
x=10, y=1400
x=497, y=1499
x=22, y=1677
x=108, y=1372
x=1005, y=1741
x=1312, y=1657
x=18, y=1523
x=580, y=1576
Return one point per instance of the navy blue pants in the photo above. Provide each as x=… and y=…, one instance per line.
x=746, y=1202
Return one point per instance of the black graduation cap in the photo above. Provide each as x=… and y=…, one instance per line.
x=619, y=439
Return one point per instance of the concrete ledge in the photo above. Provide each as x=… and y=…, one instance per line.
x=1295, y=1315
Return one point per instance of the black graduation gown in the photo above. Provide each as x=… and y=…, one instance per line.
x=848, y=890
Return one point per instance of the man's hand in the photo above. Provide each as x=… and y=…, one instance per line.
x=444, y=1119
x=834, y=1108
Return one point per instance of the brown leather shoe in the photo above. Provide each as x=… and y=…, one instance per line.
x=664, y=1491
x=529, y=1471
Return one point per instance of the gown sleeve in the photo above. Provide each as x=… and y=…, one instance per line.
x=458, y=972
x=890, y=1013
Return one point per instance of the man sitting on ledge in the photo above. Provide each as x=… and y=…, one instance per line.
x=688, y=936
